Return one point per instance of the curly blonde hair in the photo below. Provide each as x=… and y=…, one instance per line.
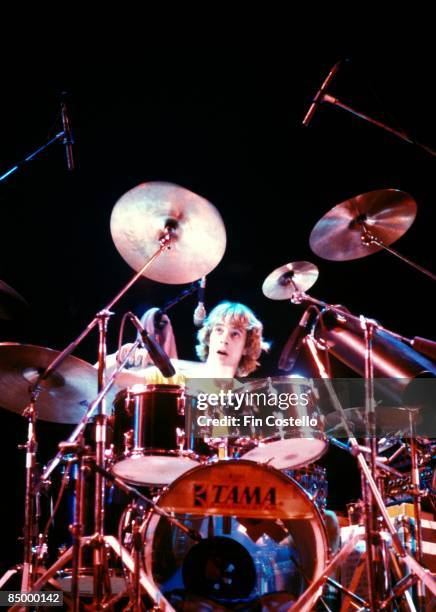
x=242, y=317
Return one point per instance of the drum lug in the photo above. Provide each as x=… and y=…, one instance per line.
x=180, y=438
x=41, y=549
x=109, y=453
x=181, y=405
x=128, y=441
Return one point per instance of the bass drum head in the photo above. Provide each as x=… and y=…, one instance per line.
x=262, y=537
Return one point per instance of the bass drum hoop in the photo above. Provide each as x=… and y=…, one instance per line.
x=317, y=529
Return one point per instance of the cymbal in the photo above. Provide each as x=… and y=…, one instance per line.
x=65, y=395
x=139, y=220
x=386, y=213
x=294, y=277
x=389, y=419
x=12, y=305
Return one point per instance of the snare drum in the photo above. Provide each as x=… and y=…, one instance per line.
x=262, y=537
x=293, y=446
x=149, y=435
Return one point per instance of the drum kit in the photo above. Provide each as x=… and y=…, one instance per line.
x=246, y=525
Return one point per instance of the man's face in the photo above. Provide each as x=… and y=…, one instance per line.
x=226, y=345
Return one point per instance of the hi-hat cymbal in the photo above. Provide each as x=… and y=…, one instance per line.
x=386, y=213
x=65, y=395
x=294, y=277
x=12, y=305
x=139, y=220
x=389, y=419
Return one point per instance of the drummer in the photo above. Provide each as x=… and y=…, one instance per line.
x=230, y=343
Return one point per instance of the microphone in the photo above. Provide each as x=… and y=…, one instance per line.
x=68, y=139
x=200, y=311
x=320, y=94
x=295, y=342
x=157, y=354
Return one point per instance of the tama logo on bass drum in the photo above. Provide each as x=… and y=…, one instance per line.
x=238, y=496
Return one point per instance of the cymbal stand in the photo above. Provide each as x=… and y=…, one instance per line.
x=416, y=501
x=29, y=502
x=371, y=442
x=75, y=444
x=30, y=498
x=369, y=238
x=97, y=539
x=77, y=529
x=101, y=319
x=413, y=565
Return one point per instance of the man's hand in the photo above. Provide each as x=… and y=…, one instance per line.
x=138, y=359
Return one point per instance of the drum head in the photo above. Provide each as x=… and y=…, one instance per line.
x=153, y=467
x=288, y=452
x=261, y=536
x=286, y=446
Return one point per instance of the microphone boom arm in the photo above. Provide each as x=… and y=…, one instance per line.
x=28, y=158
x=399, y=133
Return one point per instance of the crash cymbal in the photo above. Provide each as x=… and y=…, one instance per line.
x=389, y=419
x=293, y=277
x=138, y=222
x=65, y=394
x=12, y=305
x=386, y=213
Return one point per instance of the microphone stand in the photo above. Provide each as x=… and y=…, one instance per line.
x=184, y=294
x=399, y=133
x=59, y=136
x=162, y=311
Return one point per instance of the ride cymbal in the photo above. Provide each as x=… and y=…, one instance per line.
x=291, y=278
x=140, y=218
x=385, y=214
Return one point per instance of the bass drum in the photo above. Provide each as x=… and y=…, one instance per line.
x=262, y=539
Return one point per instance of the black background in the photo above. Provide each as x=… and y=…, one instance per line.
x=228, y=128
